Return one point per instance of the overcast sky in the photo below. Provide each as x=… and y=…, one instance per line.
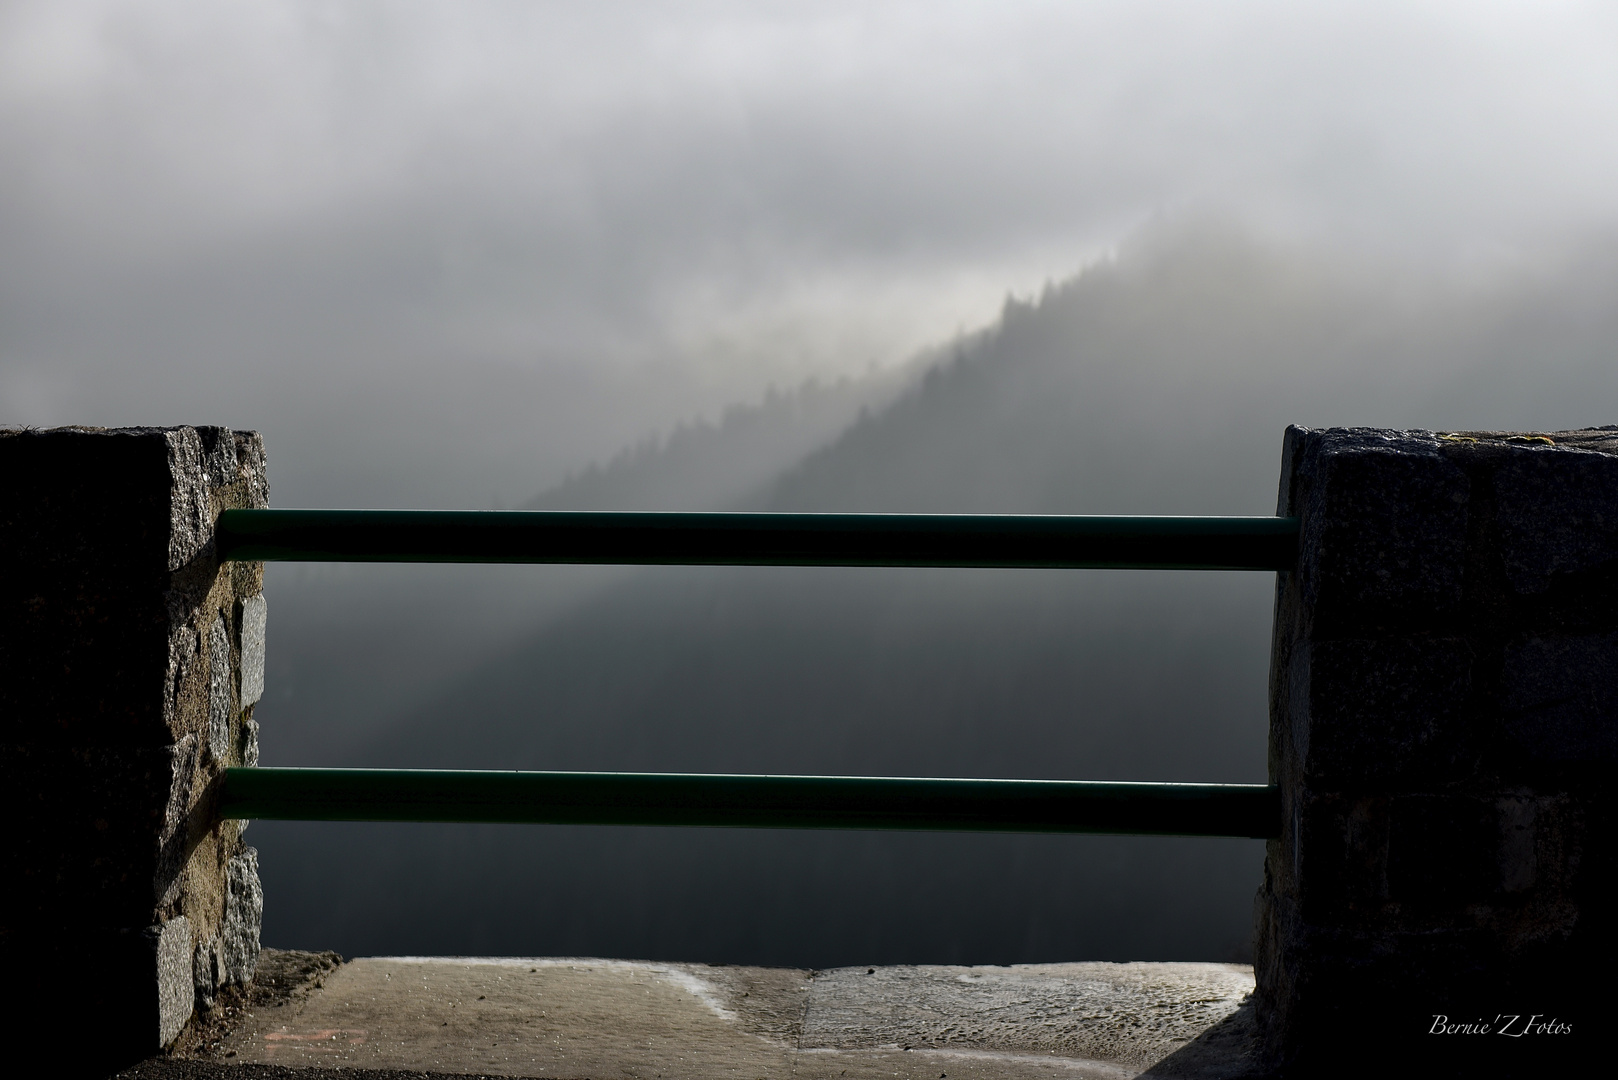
x=442, y=253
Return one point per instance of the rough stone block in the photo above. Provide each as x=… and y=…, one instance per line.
x=1444, y=721
x=171, y=955
x=1444, y=850
x=1336, y=854
x=98, y=833
x=251, y=621
x=1384, y=524
x=121, y=641
x=221, y=707
x=1558, y=513
x=1560, y=698
x=244, y=917
x=1377, y=709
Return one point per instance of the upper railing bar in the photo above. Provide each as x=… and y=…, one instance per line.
x=743, y=801
x=964, y=540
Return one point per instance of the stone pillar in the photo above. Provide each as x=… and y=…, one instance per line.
x=1444, y=731
x=130, y=659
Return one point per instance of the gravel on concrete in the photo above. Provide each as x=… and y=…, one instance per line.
x=387, y=1018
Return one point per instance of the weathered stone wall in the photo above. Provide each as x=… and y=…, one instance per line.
x=130, y=661
x=1444, y=731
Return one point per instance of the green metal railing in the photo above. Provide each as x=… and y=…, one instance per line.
x=800, y=802
x=491, y=536
x=761, y=802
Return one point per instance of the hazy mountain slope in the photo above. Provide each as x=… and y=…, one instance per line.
x=1159, y=383
x=705, y=465
x=354, y=650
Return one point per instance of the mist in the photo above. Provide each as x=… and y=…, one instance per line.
x=1043, y=258
x=1110, y=393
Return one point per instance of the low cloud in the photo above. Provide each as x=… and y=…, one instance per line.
x=449, y=254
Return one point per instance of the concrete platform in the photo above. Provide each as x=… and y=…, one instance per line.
x=611, y=1018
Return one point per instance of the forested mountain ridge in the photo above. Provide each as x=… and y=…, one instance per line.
x=1157, y=382
x=709, y=465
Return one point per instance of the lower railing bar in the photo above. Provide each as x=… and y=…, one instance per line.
x=763, y=802
x=1056, y=541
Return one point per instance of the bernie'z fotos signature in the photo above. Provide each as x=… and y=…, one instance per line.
x=1510, y=1025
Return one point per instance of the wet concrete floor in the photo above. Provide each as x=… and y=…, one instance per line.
x=609, y=1018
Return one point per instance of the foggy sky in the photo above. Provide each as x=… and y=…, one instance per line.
x=445, y=254
x=450, y=254
x=1111, y=393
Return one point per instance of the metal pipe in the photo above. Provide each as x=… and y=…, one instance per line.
x=1167, y=543
x=761, y=802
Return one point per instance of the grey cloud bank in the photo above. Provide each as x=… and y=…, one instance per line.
x=1111, y=393
x=453, y=254
x=445, y=254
